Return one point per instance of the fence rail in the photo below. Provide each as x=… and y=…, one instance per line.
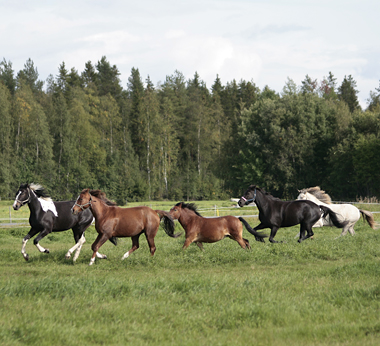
x=211, y=212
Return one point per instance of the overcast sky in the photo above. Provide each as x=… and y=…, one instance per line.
x=265, y=41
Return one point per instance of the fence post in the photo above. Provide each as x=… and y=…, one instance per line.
x=10, y=215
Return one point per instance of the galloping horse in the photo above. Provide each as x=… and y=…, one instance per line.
x=200, y=230
x=47, y=216
x=346, y=212
x=112, y=221
x=274, y=213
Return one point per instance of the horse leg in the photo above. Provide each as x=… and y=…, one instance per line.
x=247, y=243
x=150, y=240
x=77, y=247
x=273, y=232
x=309, y=234
x=99, y=241
x=42, y=234
x=200, y=245
x=348, y=228
x=135, y=246
x=31, y=234
x=189, y=239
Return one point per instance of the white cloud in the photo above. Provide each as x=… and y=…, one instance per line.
x=236, y=39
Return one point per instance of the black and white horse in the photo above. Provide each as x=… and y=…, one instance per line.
x=47, y=216
x=274, y=213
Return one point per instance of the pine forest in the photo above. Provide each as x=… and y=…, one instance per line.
x=180, y=140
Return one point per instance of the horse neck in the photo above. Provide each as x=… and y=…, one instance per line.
x=261, y=201
x=34, y=204
x=187, y=217
x=97, y=207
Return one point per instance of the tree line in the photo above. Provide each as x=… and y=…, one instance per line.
x=180, y=140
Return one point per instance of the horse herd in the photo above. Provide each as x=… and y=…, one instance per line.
x=313, y=208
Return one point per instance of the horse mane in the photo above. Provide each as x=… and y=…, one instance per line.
x=102, y=196
x=318, y=193
x=38, y=190
x=252, y=187
x=190, y=206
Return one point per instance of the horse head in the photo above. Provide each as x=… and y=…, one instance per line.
x=248, y=197
x=22, y=197
x=83, y=202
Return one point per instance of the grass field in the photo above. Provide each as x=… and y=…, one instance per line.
x=324, y=291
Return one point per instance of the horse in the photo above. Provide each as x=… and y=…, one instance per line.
x=275, y=213
x=200, y=230
x=347, y=212
x=47, y=216
x=113, y=221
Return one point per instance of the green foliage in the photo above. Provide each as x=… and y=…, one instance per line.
x=180, y=140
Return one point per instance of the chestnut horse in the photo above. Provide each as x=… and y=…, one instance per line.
x=113, y=221
x=200, y=230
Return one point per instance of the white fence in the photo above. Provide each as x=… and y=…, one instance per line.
x=216, y=211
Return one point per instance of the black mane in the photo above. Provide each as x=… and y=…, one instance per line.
x=252, y=187
x=190, y=206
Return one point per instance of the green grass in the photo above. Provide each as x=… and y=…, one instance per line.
x=324, y=291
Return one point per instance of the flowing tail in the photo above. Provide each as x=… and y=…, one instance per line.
x=369, y=217
x=169, y=225
x=258, y=235
x=333, y=217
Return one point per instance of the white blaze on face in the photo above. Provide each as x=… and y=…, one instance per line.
x=15, y=202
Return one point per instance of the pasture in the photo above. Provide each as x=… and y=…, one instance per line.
x=324, y=291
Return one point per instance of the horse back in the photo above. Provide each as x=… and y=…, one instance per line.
x=295, y=212
x=131, y=221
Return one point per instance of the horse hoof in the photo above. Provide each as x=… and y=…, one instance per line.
x=26, y=256
x=46, y=251
x=68, y=255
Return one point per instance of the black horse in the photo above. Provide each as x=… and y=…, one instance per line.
x=47, y=216
x=274, y=213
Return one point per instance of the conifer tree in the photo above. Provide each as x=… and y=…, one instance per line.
x=347, y=93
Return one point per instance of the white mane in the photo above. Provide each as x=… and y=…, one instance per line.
x=38, y=187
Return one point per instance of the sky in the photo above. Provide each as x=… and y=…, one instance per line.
x=267, y=42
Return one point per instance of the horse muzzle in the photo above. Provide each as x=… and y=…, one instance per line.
x=17, y=205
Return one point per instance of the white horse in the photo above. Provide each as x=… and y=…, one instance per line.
x=346, y=212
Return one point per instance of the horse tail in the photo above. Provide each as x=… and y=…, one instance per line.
x=169, y=225
x=258, y=235
x=333, y=217
x=113, y=240
x=369, y=217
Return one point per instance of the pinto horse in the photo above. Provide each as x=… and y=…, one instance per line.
x=347, y=212
x=200, y=230
x=47, y=216
x=274, y=213
x=113, y=221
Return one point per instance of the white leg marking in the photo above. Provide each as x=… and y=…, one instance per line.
x=23, y=248
x=92, y=261
x=41, y=248
x=126, y=255
x=99, y=255
x=77, y=247
x=77, y=253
